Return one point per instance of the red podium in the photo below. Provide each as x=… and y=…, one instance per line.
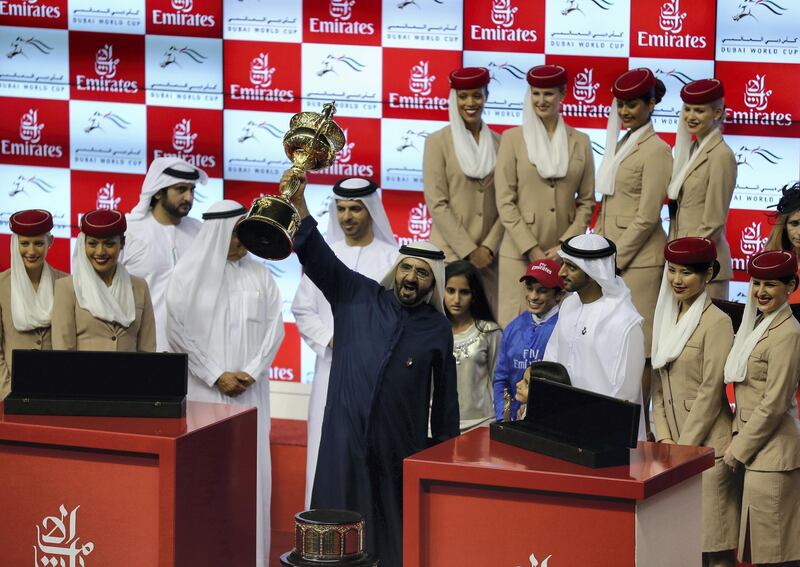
x=472, y=501
x=129, y=491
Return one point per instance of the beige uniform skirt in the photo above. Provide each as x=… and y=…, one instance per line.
x=644, y=284
x=770, y=516
x=721, y=505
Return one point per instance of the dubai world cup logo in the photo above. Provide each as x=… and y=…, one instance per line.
x=419, y=81
x=341, y=9
x=584, y=88
x=107, y=198
x=182, y=5
x=182, y=136
x=260, y=71
x=671, y=18
x=503, y=13
x=105, y=64
x=29, y=128
x=756, y=95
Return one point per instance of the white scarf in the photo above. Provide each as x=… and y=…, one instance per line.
x=30, y=308
x=113, y=304
x=746, y=339
x=477, y=160
x=670, y=335
x=607, y=172
x=551, y=157
x=684, y=163
x=197, y=280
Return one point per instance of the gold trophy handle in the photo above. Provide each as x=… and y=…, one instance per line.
x=290, y=186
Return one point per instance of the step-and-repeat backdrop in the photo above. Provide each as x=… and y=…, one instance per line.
x=92, y=90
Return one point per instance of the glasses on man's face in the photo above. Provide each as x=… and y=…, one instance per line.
x=421, y=273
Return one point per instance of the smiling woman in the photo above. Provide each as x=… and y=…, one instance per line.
x=100, y=306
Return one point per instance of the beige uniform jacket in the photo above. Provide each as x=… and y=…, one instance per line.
x=767, y=435
x=537, y=211
x=689, y=401
x=11, y=338
x=74, y=328
x=631, y=217
x=705, y=198
x=463, y=209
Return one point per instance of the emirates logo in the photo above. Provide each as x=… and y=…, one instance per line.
x=346, y=153
x=584, y=88
x=419, y=82
x=756, y=95
x=260, y=71
x=57, y=541
x=107, y=198
x=671, y=18
x=105, y=64
x=503, y=13
x=182, y=136
x=341, y=9
x=751, y=241
x=182, y=5
x=29, y=128
x=420, y=222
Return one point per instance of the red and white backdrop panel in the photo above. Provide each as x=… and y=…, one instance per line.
x=93, y=90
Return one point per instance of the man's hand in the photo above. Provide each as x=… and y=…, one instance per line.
x=535, y=254
x=481, y=257
x=552, y=253
x=229, y=384
x=298, y=198
x=245, y=379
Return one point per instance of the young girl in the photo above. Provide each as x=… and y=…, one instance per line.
x=476, y=341
x=691, y=340
x=785, y=234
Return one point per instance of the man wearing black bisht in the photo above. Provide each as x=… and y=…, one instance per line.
x=392, y=367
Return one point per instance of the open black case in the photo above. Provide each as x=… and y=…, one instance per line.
x=118, y=384
x=573, y=424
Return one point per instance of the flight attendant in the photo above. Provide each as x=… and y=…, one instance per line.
x=633, y=179
x=691, y=341
x=458, y=176
x=26, y=290
x=545, y=184
x=764, y=365
x=703, y=175
x=100, y=306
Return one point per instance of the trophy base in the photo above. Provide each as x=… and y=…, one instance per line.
x=269, y=227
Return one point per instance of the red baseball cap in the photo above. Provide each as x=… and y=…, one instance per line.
x=545, y=272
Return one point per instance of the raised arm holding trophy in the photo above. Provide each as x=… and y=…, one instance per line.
x=311, y=143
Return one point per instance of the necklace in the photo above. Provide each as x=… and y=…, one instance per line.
x=461, y=351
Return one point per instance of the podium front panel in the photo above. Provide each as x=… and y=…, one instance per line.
x=64, y=500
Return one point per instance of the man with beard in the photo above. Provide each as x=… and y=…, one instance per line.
x=599, y=336
x=362, y=239
x=159, y=231
x=392, y=374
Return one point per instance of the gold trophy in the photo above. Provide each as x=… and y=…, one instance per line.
x=311, y=143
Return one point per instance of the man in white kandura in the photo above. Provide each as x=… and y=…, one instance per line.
x=224, y=311
x=159, y=232
x=598, y=337
x=362, y=239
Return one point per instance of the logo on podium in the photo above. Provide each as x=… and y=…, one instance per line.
x=57, y=541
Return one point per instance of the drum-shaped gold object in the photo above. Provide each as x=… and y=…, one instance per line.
x=311, y=143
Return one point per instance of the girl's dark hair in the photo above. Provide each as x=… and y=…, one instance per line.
x=788, y=279
x=479, y=307
x=702, y=267
x=658, y=92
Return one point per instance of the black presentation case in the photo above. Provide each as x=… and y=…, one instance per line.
x=574, y=425
x=117, y=384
